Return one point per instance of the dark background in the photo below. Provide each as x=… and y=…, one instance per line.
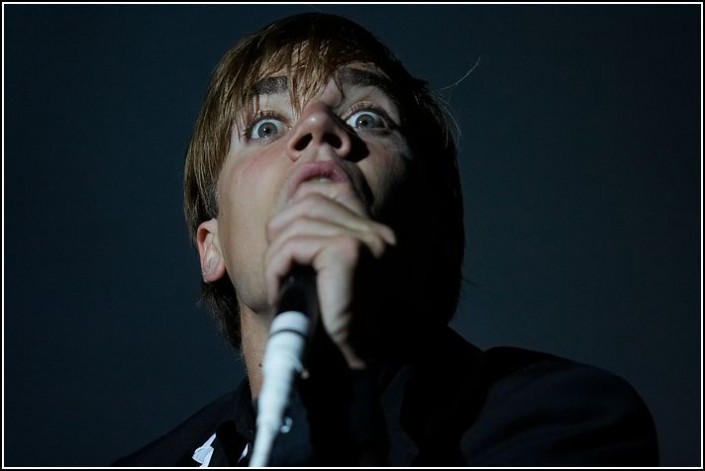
x=580, y=159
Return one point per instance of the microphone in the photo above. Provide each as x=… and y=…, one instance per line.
x=293, y=323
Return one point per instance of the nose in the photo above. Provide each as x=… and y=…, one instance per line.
x=319, y=127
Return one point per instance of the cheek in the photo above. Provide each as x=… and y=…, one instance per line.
x=386, y=172
x=248, y=191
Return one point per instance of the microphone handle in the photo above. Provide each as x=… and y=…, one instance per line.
x=283, y=357
x=298, y=292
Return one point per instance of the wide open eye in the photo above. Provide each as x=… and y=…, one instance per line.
x=366, y=119
x=266, y=128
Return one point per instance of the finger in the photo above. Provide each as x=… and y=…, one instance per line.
x=314, y=206
x=319, y=207
x=335, y=293
x=371, y=234
x=324, y=254
x=336, y=265
x=342, y=193
x=279, y=261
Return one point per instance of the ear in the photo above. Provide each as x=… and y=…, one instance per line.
x=212, y=261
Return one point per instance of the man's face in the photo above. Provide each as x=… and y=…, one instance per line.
x=346, y=144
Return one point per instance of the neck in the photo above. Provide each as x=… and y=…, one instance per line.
x=255, y=330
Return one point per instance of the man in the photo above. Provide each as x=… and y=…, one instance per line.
x=315, y=148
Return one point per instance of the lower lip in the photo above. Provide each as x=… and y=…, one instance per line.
x=321, y=174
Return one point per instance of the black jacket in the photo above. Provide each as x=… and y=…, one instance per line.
x=458, y=406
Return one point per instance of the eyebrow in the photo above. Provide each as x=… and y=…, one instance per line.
x=269, y=86
x=365, y=78
x=346, y=77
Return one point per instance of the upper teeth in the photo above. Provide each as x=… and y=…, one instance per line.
x=323, y=179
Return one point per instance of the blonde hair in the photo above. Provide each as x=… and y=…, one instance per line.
x=307, y=49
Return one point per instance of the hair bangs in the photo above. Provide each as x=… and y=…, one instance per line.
x=306, y=65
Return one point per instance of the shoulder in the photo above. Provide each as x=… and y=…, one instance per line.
x=541, y=409
x=176, y=447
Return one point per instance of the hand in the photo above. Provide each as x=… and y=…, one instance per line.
x=326, y=226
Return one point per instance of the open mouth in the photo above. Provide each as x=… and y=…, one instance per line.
x=325, y=172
